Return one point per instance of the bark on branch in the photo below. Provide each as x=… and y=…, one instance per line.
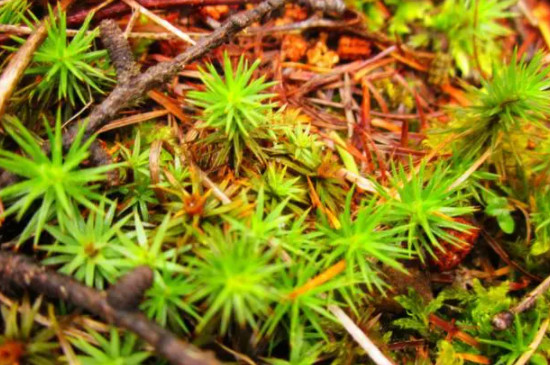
x=117, y=306
x=119, y=51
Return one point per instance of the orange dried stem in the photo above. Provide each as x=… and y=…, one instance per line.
x=453, y=330
x=320, y=279
x=478, y=359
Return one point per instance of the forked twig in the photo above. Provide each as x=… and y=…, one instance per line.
x=117, y=306
x=128, y=90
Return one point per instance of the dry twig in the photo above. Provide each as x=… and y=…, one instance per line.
x=503, y=320
x=524, y=359
x=117, y=306
x=133, y=84
x=160, y=21
x=358, y=335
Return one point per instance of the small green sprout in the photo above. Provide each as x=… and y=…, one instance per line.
x=517, y=97
x=57, y=180
x=166, y=301
x=84, y=247
x=259, y=226
x=301, y=304
x=363, y=242
x=234, y=277
x=234, y=106
x=279, y=186
x=70, y=67
x=303, y=152
x=29, y=345
x=303, y=148
x=426, y=204
x=149, y=247
x=111, y=350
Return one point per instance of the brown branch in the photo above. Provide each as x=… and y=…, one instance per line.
x=19, y=271
x=17, y=65
x=133, y=86
x=503, y=320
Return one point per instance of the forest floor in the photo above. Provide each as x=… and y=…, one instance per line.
x=274, y=182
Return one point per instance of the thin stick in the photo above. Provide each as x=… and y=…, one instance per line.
x=157, y=19
x=504, y=319
x=362, y=182
x=20, y=271
x=535, y=344
x=218, y=193
x=134, y=119
x=470, y=170
x=22, y=30
x=360, y=337
x=132, y=22
x=17, y=65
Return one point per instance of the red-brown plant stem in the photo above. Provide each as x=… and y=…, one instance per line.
x=19, y=271
x=117, y=9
